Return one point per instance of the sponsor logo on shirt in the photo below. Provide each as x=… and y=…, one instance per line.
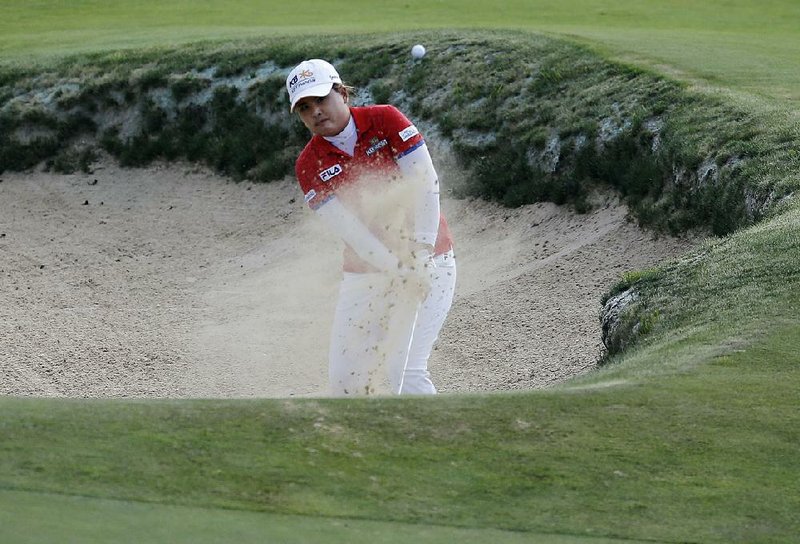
x=311, y=194
x=376, y=145
x=407, y=133
x=333, y=171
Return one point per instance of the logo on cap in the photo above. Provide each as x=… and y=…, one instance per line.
x=304, y=74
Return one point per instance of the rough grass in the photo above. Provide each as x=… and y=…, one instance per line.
x=548, y=120
x=704, y=456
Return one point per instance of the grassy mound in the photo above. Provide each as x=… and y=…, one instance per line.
x=721, y=296
x=706, y=456
x=532, y=118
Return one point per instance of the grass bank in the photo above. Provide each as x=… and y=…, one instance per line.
x=546, y=120
x=704, y=456
x=715, y=300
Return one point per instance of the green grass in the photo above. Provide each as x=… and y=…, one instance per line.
x=717, y=298
x=36, y=518
x=701, y=456
x=741, y=44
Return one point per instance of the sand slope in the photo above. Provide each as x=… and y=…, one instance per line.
x=170, y=281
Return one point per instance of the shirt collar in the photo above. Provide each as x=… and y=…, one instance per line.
x=363, y=122
x=346, y=139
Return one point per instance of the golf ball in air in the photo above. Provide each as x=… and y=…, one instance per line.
x=418, y=51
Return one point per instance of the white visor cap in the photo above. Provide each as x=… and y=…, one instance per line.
x=314, y=77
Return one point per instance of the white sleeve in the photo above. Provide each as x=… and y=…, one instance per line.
x=417, y=167
x=356, y=235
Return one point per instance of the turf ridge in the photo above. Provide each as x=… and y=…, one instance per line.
x=706, y=455
x=727, y=292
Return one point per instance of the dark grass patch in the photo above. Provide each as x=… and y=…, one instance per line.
x=17, y=157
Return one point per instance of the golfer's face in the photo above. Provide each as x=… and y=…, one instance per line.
x=324, y=115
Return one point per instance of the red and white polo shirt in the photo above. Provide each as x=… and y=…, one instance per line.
x=384, y=135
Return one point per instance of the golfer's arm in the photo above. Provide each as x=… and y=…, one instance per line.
x=418, y=168
x=355, y=234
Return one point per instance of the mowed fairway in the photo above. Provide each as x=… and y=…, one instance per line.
x=55, y=516
x=745, y=45
x=704, y=452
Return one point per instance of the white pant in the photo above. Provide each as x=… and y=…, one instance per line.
x=383, y=335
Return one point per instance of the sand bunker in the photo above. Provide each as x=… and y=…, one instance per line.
x=170, y=281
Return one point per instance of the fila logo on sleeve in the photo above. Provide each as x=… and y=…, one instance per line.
x=407, y=133
x=331, y=172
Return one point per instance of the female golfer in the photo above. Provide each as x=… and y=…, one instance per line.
x=367, y=174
